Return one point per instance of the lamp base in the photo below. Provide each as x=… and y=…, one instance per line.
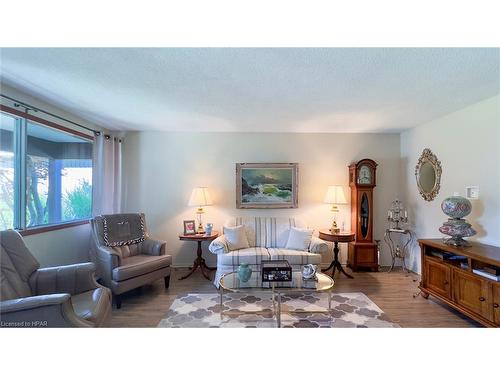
x=200, y=212
x=334, y=228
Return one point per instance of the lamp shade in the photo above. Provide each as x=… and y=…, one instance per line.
x=335, y=195
x=200, y=197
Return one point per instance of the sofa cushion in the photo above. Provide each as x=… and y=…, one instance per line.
x=139, y=265
x=278, y=230
x=236, y=237
x=295, y=257
x=251, y=255
x=92, y=305
x=266, y=231
x=255, y=228
x=299, y=239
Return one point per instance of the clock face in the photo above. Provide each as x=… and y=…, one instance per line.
x=364, y=175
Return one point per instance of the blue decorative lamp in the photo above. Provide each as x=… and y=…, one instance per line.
x=457, y=207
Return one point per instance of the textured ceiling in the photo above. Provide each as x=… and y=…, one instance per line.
x=281, y=90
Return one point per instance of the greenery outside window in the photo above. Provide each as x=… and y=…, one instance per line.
x=53, y=168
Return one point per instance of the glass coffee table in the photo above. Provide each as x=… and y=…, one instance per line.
x=230, y=283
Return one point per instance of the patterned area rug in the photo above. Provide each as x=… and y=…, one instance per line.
x=349, y=310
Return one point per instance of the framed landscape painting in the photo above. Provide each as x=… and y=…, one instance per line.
x=267, y=185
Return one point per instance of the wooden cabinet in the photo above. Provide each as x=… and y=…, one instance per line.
x=453, y=281
x=439, y=277
x=496, y=303
x=471, y=292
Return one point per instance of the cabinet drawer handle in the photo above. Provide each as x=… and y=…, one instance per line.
x=446, y=283
x=496, y=306
x=482, y=299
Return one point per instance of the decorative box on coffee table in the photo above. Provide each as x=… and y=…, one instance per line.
x=276, y=270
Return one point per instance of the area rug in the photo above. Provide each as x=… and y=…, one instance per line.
x=349, y=310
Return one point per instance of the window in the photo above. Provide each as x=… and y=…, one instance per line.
x=8, y=126
x=52, y=166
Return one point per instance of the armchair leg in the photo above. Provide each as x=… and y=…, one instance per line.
x=118, y=301
x=167, y=281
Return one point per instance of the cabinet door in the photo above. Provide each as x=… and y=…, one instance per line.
x=496, y=303
x=438, y=277
x=471, y=292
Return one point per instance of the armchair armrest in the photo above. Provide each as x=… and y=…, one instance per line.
x=33, y=302
x=219, y=245
x=107, y=259
x=72, y=279
x=153, y=247
x=106, y=251
x=318, y=246
x=52, y=310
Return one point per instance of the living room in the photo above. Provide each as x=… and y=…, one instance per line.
x=250, y=187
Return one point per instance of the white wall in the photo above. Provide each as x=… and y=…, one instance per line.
x=467, y=143
x=161, y=168
x=63, y=246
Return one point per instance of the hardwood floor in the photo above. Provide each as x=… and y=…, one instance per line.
x=392, y=292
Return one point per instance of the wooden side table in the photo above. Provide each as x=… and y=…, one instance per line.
x=344, y=237
x=199, y=262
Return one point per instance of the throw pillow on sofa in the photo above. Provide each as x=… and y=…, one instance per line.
x=299, y=239
x=236, y=237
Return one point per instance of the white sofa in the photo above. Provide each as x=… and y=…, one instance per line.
x=267, y=237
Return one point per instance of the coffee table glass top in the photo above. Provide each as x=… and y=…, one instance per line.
x=231, y=282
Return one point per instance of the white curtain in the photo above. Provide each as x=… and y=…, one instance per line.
x=107, y=175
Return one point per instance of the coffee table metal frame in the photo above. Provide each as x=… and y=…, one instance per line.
x=276, y=292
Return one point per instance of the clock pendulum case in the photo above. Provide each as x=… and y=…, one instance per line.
x=362, y=253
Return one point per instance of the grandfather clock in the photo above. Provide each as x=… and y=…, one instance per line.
x=362, y=253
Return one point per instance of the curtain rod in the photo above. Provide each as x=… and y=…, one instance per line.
x=29, y=106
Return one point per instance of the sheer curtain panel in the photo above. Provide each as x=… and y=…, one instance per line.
x=107, y=175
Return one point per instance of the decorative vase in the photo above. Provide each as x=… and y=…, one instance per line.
x=309, y=271
x=457, y=207
x=244, y=272
x=208, y=229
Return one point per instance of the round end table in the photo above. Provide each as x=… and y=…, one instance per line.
x=199, y=262
x=345, y=237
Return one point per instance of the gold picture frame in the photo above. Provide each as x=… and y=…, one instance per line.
x=267, y=185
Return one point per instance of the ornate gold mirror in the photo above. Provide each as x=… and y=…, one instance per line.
x=428, y=175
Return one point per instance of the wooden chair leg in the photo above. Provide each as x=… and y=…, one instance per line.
x=167, y=281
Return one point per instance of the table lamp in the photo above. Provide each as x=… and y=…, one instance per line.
x=334, y=196
x=200, y=198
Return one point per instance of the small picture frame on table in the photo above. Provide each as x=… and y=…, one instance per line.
x=189, y=227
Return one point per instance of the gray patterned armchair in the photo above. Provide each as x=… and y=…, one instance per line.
x=125, y=255
x=65, y=296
